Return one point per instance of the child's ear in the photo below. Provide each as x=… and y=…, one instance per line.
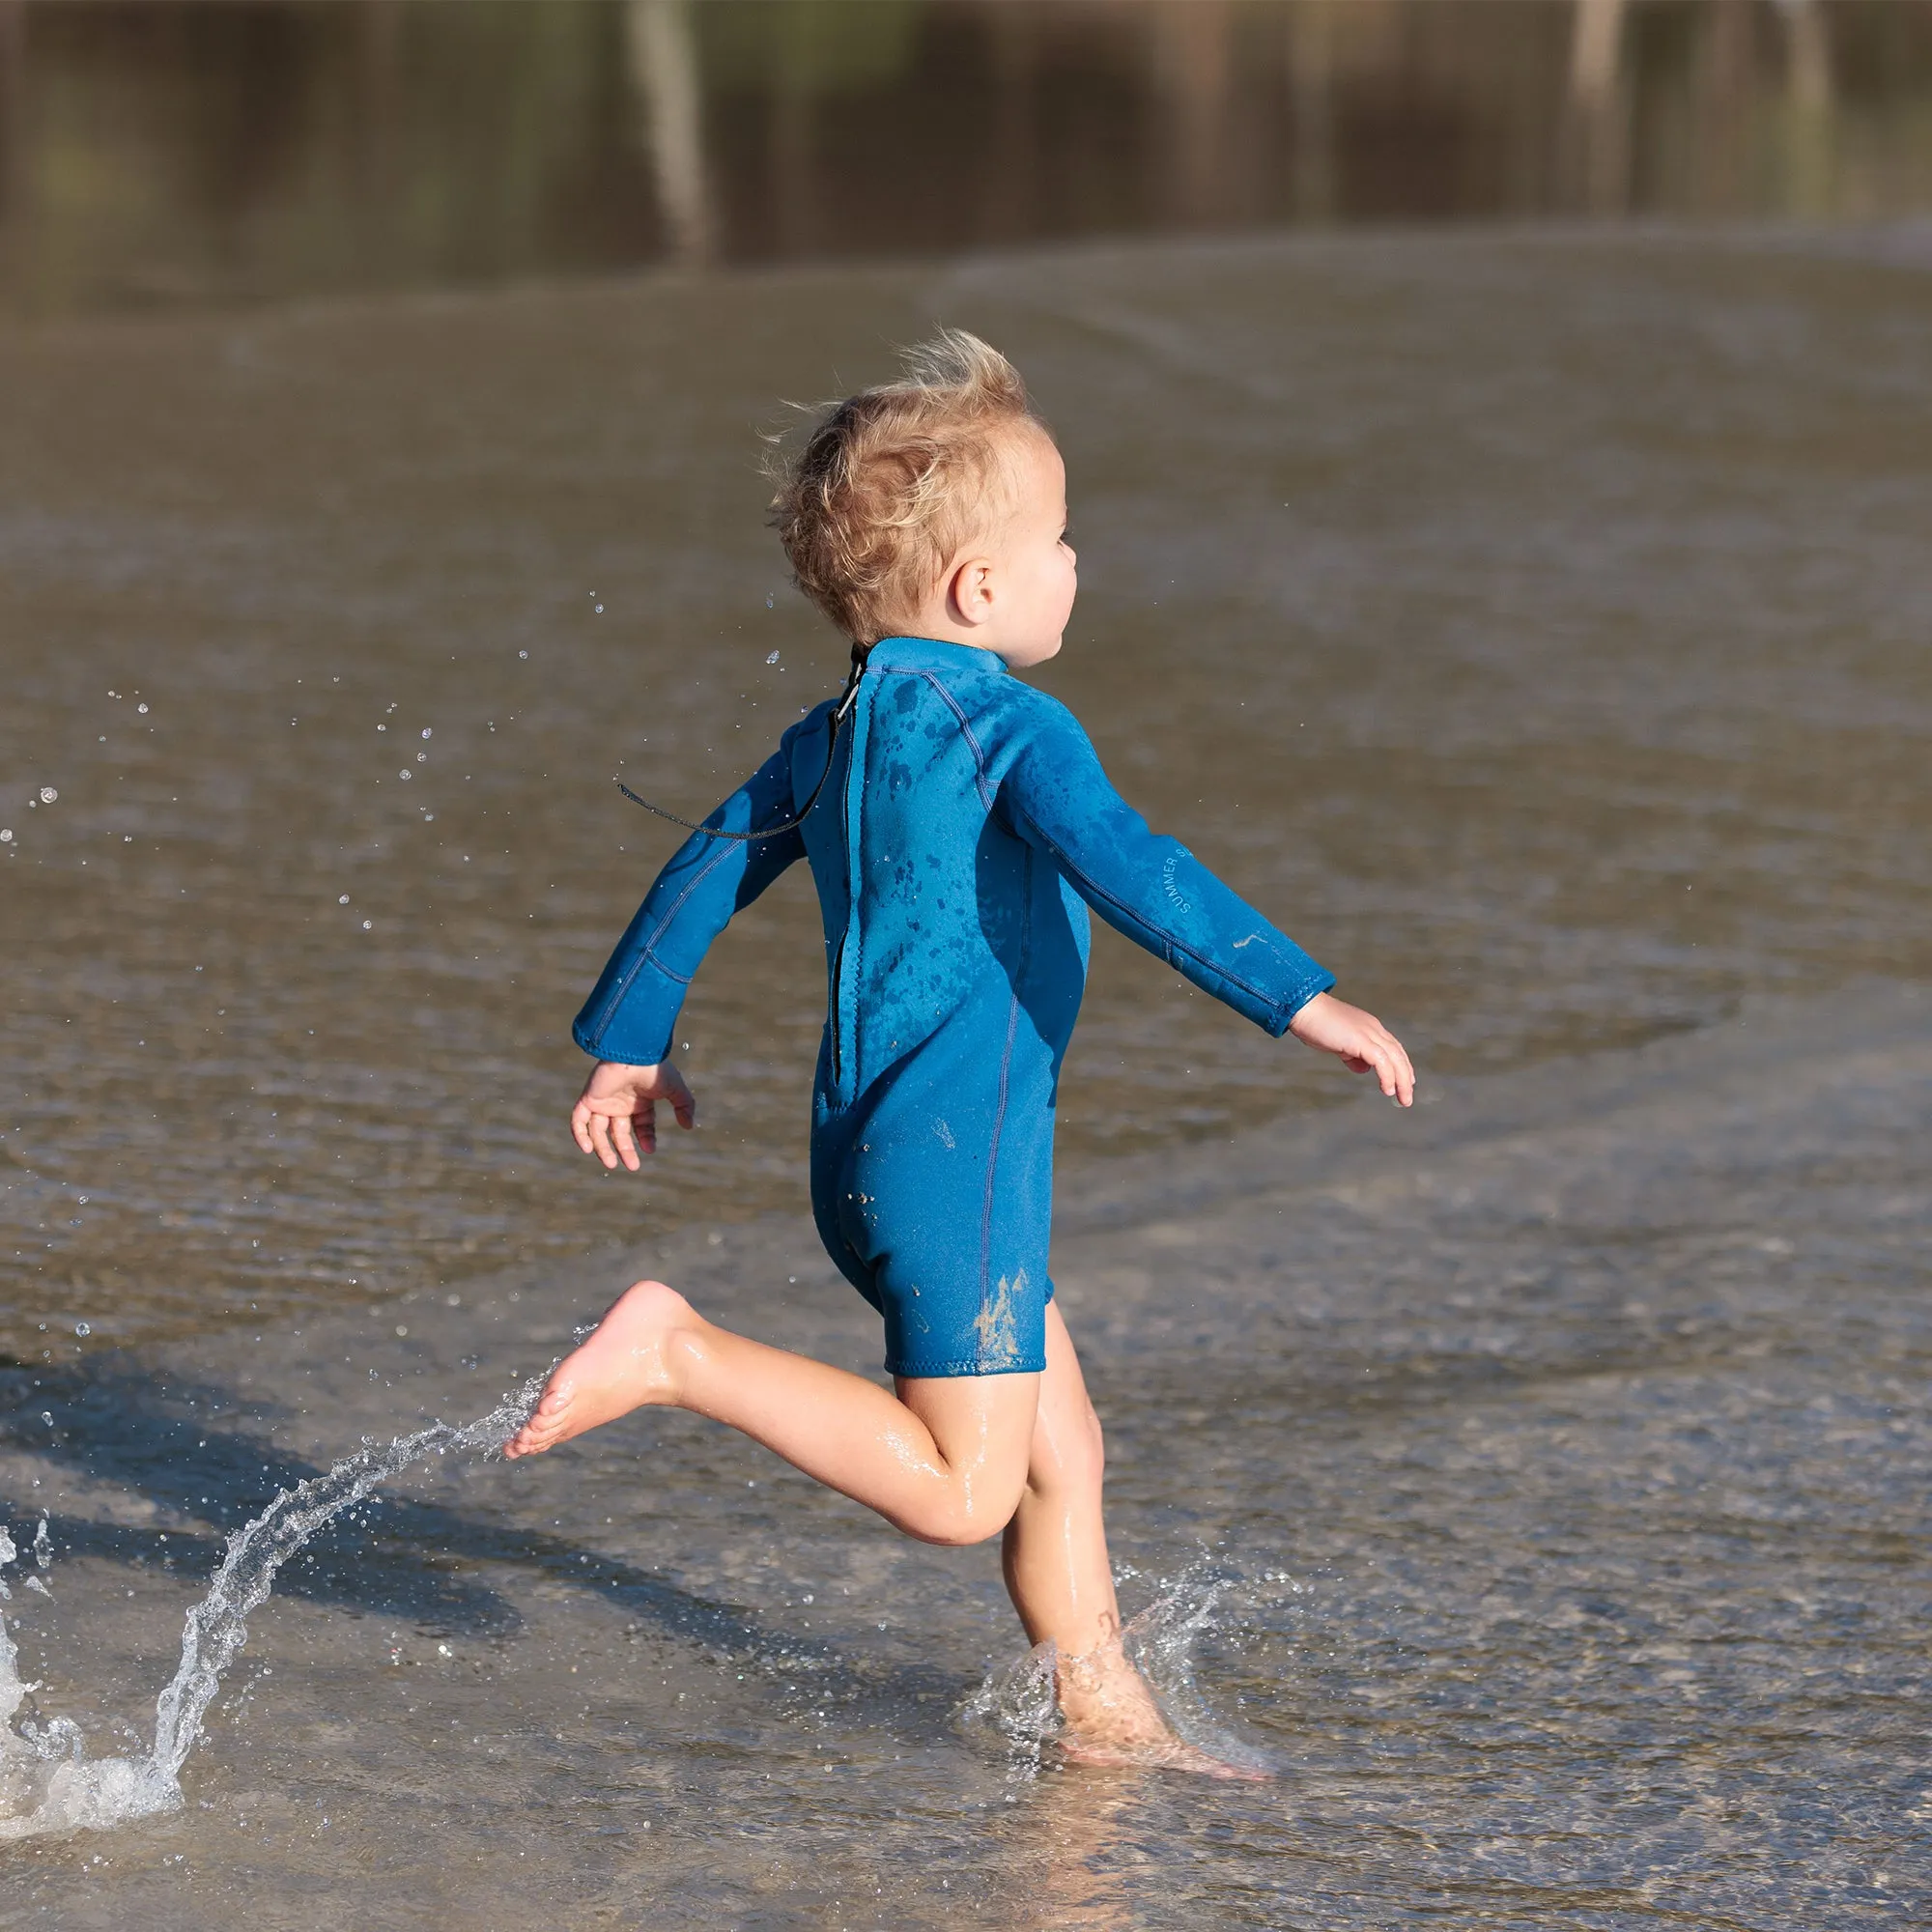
x=969, y=593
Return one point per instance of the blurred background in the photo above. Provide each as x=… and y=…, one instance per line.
x=156, y=153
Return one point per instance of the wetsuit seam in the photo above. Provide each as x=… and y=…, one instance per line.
x=648, y=954
x=993, y=1152
x=1006, y=1076
x=965, y=731
x=965, y=1365
x=1167, y=938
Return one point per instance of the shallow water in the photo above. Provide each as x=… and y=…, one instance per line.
x=51, y=1784
x=1536, y=625
x=1536, y=621
x=1555, y=1460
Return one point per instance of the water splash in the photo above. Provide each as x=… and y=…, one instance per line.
x=1018, y=1703
x=47, y=1785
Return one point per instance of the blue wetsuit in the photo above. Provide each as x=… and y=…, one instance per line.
x=964, y=829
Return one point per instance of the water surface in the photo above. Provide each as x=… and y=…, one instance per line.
x=1536, y=627
x=1534, y=622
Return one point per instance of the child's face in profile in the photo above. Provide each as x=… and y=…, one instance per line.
x=1035, y=559
x=1012, y=591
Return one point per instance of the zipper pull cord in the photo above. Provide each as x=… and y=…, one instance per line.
x=848, y=697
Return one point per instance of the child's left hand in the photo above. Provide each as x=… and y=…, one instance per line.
x=617, y=1113
x=1359, y=1040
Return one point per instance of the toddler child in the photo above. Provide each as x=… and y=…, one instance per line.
x=958, y=827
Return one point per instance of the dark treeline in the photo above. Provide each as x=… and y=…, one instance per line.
x=158, y=151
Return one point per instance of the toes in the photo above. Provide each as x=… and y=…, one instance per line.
x=550, y=1409
x=543, y=1428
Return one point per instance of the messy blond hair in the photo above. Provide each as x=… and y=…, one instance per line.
x=891, y=484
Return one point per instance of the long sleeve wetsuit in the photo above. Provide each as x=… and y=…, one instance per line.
x=964, y=829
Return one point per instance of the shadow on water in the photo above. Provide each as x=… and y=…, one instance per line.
x=114, y=1423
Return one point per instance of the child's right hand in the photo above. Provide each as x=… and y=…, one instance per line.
x=618, y=1110
x=1359, y=1040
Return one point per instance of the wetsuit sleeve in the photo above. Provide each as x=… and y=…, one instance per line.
x=1152, y=888
x=633, y=1010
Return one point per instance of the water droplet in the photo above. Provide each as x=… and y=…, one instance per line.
x=83, y=1328
x=768, y=600
x=140, y=707
x=522, y=654
x=48, y=794
x=427, y=730
x=368, y=925
x=422, y=757
x=343, y=901
x=6, y=835
x=405, y=773
x=772, y=658
x=600, y=610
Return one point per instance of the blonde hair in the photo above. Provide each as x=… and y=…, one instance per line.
x=891, y=483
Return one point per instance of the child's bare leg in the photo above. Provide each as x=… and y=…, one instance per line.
x=944, y=1460
x=1062, y=1582
x=1056, y=1546
x=1057, y=1569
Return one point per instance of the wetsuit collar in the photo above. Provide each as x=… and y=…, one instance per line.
x=930, y=654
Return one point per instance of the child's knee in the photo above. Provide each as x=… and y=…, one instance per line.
x=655, y=1299
x=961, y=1520
x=955, y=1532
x=1073, y=1458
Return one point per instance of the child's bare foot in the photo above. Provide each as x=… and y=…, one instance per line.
x=621, y=1365
x=1112, y=1718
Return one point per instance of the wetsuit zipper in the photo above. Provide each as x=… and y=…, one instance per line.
x=854, y=773
x=838, y=961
